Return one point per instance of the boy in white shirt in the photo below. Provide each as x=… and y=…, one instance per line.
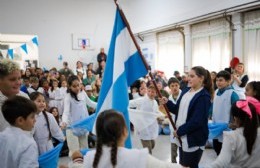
x=147, y=104
x=18, y=148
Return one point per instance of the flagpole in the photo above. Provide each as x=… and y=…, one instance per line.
x=146, y=66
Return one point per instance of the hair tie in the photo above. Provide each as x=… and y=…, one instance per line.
x=255, y=102
x=243, y=104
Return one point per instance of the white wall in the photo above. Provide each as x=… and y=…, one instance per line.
x=54, y=21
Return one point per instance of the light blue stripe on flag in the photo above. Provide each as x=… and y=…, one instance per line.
x=124, y=65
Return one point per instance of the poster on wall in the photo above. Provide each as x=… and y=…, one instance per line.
x=149, y=51
x=82, y=42
x=30, y=64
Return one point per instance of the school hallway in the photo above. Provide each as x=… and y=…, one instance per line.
x=162, y=151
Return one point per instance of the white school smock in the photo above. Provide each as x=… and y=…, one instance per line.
x=55, y=99
x=147, y=105
x=31, y=90
x=18, y=149
x=3, y=98
x=173, y=115
x=63, y=92
x=234, y=151
x=126, y=158
x=221, y=109
x=41, y=132
x=76, y=110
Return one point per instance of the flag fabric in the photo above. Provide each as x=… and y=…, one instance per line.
x=50, y=159
x=124, y=65
x=216, y=129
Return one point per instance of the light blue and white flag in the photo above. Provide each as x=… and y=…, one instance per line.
x=124, y=65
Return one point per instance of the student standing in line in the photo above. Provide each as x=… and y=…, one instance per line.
x=46, y=126
x=224, y=97
x=174, y=86
x=18, y=148
x=191, y=112
x=75, y=109
x=150, y=105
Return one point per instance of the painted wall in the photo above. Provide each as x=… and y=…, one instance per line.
x=54, y=21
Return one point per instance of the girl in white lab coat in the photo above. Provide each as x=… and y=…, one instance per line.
x=241, y=147
x=46, y=126
x=110, y=152
x=75, y=109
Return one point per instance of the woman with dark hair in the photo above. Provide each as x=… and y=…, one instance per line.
x=191, y=113
x=241, y=147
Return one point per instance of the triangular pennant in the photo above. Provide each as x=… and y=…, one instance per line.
x=11, y=53
x=24, y=47
x=35, y=41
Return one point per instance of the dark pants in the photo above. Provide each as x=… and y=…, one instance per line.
x=190, y=159
x=148, y=144
x=174, y=149
x=217, y=146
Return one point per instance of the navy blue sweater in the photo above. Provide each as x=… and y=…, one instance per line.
x=196, y=126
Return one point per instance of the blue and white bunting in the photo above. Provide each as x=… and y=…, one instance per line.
x=24, y=47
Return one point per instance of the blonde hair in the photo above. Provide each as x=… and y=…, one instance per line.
x=7, y=67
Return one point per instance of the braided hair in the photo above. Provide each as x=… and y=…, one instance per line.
x=110, y=127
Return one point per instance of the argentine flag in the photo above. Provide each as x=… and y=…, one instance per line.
x=124, y=65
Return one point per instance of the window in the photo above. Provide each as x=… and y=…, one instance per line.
x=252, y=44
x=170, y=53
x=211, y=44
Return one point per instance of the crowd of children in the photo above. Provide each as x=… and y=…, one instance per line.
x=60, y=98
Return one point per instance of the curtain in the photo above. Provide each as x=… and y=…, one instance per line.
x=170, y=53
x=252, y=44
x=211, y=44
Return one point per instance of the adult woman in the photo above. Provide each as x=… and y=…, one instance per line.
x=240, y=80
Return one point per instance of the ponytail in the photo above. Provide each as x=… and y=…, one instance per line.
x=250, y=124
x=207, y=82
x=250, y=129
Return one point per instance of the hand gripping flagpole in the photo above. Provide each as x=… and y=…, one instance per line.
x=146, y=65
